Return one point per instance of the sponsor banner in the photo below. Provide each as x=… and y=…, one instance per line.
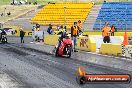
x=83, y=43
x=101, y=78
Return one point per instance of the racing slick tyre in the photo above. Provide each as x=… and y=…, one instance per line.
x=68, y=52
x=4, y=40
x=56, y=52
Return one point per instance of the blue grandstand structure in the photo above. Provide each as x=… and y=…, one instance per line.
x=117, y=13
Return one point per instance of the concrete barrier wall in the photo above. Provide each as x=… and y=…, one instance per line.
x=17, y=31
x=98, y=40
x=113, y=39
x=83, y=43
x=89, y=44
x=51, y=39
x=27, y=33
x=105, y=49
x=86, y=44
x=111, y=49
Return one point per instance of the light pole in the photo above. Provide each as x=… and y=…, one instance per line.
x=65, y=13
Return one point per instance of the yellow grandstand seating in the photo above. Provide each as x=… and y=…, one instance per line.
x=55, y=14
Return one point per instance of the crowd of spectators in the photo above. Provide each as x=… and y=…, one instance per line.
x=6, y=14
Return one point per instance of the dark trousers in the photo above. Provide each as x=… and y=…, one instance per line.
x=106, y=39
x=60, y=39
x=22, y=39
x=112, y=33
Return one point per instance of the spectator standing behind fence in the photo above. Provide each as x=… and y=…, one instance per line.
x=106, y=33
x=74, y=34
x=22, y=33
x=112, y=30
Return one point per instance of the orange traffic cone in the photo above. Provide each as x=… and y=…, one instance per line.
x=125, y=41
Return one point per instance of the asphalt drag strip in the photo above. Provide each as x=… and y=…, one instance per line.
x=36, y=69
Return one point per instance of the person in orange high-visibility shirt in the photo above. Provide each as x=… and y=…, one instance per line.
x=74, y=34
x=106, y=33
x=112, y=30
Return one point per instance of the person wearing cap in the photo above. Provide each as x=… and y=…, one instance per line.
x=50, y=30
x=106, y=31
x=22, y=33
x=62, y=33
x=74, y=34
x=79, y=23
x=112, y=30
